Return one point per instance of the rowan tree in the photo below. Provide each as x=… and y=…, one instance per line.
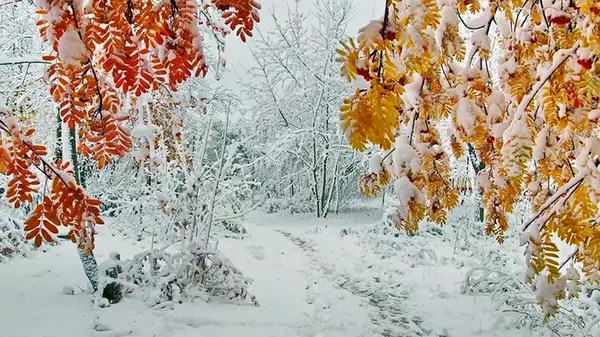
x=529, y=114
x=104, y=55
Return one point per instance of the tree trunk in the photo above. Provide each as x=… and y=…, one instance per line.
x=58, y=153
x=337, y=197
x=315, y=189
x=333, y=185
x=315, y=179
x=90, y=267
x=324, y=180
x=73, y=148
x=89, y=263
x=477, y=167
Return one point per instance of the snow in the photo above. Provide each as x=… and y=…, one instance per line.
x=594, y=115
x=412, y=92
x=584, y=53
x=375, y=163
x=68, y=290
x=540, y=144
x=334, y=277
x=370, y=34
x=406, y=159
x=449, y=18
x=405, y=191
x=147, y=132
x=295, y=300
x=507, y=67
x=70, y=48
x=547, y=292
x=498, y=129
x=481, y=39
x=21, y=60
x=361, y=83
x=465, y=116
x=504, y=25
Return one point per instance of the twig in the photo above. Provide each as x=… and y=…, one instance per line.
x=568, y=259
x=571, y=186
x=383, y=29
x=45, y=165
x=465, y=24
x=89, y=61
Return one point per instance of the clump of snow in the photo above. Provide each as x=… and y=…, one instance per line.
x=506, y=68
x=449, y=18
x=406, y=191
x=68, y=290
x=406, y=158
x=481, y=40
x=504, y=25
x=498, y=129
x=516, y=142
x=161, y=197
x=465, y=116
x=412, y=92
x=375, y=163
x=540, y=144
x=102, y=302
x=147, y=132
x=594, y=115
x=71, y=50
x=484, y=180
x=370, y=34
x=105, y=266
x=361, y=83
x=547, y=292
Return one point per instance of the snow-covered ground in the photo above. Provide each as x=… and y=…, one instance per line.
x=311, y=277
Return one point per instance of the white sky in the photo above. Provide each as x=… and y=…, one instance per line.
x=238, y=54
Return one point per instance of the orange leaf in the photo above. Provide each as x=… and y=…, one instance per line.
x=31, y=225
x=94, y=202
x=4, y=160
x=50, y=227
x=37, y=241
x=46, y=236
x=31, y=234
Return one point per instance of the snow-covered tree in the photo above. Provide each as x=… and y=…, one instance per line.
x=531, y=120
x=295, y=92
x=104, y=55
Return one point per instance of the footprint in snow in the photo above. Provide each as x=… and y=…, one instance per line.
x=258, y=252
x=311, y=291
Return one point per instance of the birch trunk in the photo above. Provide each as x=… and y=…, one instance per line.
x=69, y=153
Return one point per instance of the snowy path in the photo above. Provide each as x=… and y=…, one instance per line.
x=388, y=312
x=411, y=286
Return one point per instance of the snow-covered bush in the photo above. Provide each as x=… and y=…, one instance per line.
x=574, y=318
x=168, y=192
x=162, y=278
x=12, y=237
